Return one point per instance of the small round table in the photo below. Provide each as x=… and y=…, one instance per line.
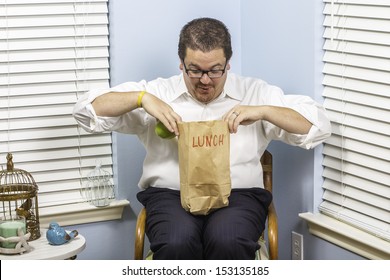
x=40, y=249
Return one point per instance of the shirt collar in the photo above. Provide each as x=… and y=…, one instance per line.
x=229, y=89
x=181, y=88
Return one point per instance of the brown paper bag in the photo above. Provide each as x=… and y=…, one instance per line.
x=204, y=161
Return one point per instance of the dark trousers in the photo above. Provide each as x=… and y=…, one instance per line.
x=231, y=232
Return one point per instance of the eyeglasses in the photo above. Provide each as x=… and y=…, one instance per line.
x=212, y=74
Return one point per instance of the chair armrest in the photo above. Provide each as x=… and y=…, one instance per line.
x=272, y=232
x=140, y=235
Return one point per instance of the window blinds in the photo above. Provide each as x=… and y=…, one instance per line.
x=51, y=52
x=357, y=98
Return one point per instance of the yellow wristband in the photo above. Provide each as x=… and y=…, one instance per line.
x=139, y=100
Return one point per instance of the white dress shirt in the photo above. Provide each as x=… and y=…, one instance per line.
x=161, y=165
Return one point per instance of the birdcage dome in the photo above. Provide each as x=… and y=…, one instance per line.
x=19, y=196
x=99, y=189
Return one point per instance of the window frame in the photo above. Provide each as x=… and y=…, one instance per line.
x=49, y=45
x=336, y=231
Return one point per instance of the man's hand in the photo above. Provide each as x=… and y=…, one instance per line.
x=285, y=118
x=161, y=111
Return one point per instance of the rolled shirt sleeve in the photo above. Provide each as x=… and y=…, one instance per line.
x=86, y=116
x=314, y=113
x=308, y=108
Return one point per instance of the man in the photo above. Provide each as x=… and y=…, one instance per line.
x=256, y=113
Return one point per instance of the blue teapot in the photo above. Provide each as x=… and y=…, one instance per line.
x=56, y=235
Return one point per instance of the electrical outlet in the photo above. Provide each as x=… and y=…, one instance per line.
x=296, y=246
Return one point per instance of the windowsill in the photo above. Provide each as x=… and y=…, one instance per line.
x=347, y=237
x=81, y=213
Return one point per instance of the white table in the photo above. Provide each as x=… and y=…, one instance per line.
x=40, y=249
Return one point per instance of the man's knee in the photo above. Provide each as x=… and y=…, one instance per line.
x=178, y=249
x=234, y=248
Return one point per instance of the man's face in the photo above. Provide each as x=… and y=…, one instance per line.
x=204, y=89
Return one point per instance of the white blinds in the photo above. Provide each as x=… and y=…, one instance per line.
x=51, y=52
x=357, y=98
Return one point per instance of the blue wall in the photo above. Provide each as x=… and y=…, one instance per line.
x=280, y=51
x=278, y=41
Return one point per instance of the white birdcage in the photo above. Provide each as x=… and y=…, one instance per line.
x=99, y=189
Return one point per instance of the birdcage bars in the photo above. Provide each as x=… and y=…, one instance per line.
x=99, y=190
x=19, y=197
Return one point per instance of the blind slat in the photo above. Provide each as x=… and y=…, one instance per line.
x=335, y=177
x=344, y=22
x=56, y=31
x=360, y=61
x=361, y=135
x=39, y=100
x=70, y=87
x=53, y=8
x=355, y=121
x=365, y=11
x=345, y=190
x=37, y=134
x=355, y=205
x=378, y=164
x=372, y=3
x=350, y=72
x=346, y=47
x=19, y=2
x=39, y=168
x=52, y=56
x=366, y=223
x=359, y=146
x=48, y=20
x=353, y=109
x=54, y=77
x=357, y=85
x=58, y=65
x=42, y=44
x=358, y=170
x=60, y=143
x=356, y=97
x=376, y=38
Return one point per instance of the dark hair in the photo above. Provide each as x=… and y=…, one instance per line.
x=205, y=34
